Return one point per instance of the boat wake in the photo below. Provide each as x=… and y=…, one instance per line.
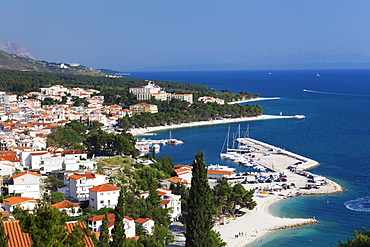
x=359, y=205
x=333, y=93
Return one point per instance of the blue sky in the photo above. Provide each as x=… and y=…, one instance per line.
x=125, y=34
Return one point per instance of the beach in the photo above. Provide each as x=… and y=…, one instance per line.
x=251, y=100
x=143, y=131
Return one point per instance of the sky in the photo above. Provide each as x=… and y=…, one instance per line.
x=129, y=34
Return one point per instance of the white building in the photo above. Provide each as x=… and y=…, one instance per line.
x=24, y=202
x=147, y=224
x=182, y=97
x=72, y=209
x=103, y=196
x=79, y=184
x=207, y=99
x=9, y=98
x=95, y=223
x=145, y=92
x=26, y=184
x=184, y=172
x=168, y=200
x=6, y=167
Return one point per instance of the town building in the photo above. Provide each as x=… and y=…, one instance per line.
x=26, y=184
x=23, y=202
x=103, y=196
x=78, y=184
x=72, y=209
x=143, y=107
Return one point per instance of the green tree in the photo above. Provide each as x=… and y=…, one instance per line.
x=3, y=237
x=104, y=233
x=46, y=226
x=118, y=232
x=57, y=197
x=361, y=239
x=199, y=221
x=54, y=182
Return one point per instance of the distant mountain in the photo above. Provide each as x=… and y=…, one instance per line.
x=300, y=60
x=15, y=62
x=16, y=49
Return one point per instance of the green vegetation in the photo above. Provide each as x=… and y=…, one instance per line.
x=199, y=219
x=104, y=233
x=74, y=135
x=175, y=112
x=46, y=226
x=57, y=197
x=118, y=232
x=21, y=82
x=361, y=239
x=226, y=198
x=3, y=237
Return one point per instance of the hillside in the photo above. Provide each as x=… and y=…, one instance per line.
x=21, y=82
x=14, y=62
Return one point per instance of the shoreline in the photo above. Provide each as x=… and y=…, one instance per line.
x=263, y=221
x=251, y=100
x=143, y=131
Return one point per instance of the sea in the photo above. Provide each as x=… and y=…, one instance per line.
x=335, y=132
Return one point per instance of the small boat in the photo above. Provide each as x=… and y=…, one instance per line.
x=317, y=74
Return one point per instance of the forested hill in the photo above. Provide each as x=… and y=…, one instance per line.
x=14, y=62
x=21, y=82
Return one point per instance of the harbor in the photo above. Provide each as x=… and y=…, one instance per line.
x=280, y=174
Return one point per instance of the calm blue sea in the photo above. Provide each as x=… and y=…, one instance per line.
x=336, y=132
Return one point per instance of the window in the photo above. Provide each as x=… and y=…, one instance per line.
x=101, y=193
x=108, y=202
x=102, y=202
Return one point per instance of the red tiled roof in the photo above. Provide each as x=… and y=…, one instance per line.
x=14, y=200
x=104, y=187
x=65, y=204
x=100, y=217
x=165, y=201
x=26, y=172
x=142, y=220
x=88, y=241
x=17, y=238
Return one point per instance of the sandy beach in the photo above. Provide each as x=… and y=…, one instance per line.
x=143, y=131
x=251, y=100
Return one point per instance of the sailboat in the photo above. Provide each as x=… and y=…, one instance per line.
x=317, y=74
x=173, y=142
x=225, y=155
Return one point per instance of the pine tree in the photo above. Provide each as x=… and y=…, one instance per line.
x=118, y=232
x=3, y=237
x=199, y=220
x=104, y=233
